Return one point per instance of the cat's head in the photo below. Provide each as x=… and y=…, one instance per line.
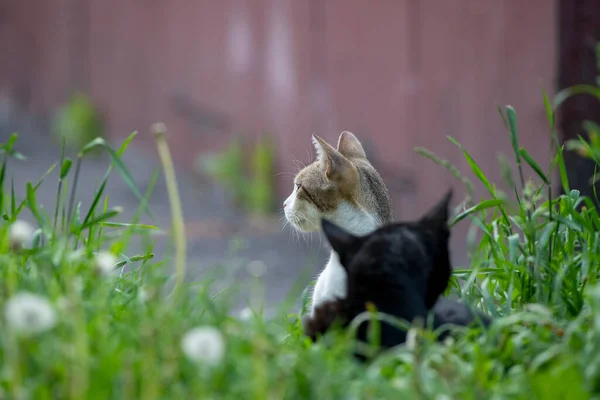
x=382, y=264
x=340, y=185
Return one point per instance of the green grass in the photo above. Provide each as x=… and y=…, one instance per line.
x=122, y=335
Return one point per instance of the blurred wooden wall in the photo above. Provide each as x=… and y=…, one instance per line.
x=398, y=73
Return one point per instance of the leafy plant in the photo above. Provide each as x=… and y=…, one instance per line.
x=246, y=171
x=77, y=121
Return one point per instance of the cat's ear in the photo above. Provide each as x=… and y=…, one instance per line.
x=337, y=168
x=323, y=149
x=437, y=217
x=340, y=240
x=349, y=146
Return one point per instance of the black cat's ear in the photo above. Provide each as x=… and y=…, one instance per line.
x=340, y=240
x=437, y=217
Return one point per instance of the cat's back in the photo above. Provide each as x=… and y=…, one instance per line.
x=374, y=194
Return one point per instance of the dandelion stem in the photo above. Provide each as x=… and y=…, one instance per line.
x=178, y=226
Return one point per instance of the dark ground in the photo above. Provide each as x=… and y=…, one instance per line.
x=220, y=238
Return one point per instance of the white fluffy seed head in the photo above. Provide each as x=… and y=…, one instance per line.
x=21, y=234
x=105, y=263
x=246, y=314
x=28, y=314
x=257, y=268
x=204, y=344
x=158, y=128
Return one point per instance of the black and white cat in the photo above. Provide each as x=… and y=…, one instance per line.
x=401, y=268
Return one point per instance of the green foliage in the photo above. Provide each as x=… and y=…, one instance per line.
x=246, y=171
x=586, y=147
x=77, y=121
x=99, y=323
x=261, y=191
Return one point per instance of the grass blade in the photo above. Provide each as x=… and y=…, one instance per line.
x=127, y=225
x=474, y=167
x=479, y=207
x=96, y=200
x=35, y=187
x=574, y=90
x=514, y=137
x=549, y=110
x=101, y=218
x=2, y=178
x=118, y=163
x=529, y=160
x=32, y=204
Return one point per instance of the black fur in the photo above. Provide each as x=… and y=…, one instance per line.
x=401, y=268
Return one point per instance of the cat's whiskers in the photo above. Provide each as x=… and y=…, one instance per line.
x=297, y=232
x=282, y=217
x=299, y=217
x=320, y=240
x=286, y=174
x=305, y=236
x=292, y=219
x=299, y=165
x=304, y=218
x=310, y=160
x=293, y=232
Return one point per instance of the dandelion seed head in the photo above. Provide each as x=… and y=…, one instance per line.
x=105, y=263
x=158, y=128
x=257, y=268
x=21, y=234
x=29, y=314
x=246, y=314
x=204, y=344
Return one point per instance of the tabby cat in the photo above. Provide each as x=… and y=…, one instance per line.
x=343, y=187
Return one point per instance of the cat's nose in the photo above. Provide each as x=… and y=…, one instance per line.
x=284, y=204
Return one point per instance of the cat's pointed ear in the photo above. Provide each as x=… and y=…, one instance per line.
x=340, y=240
x=323, y=149
x=349, y=146
x=437, y=217
x=337, y=168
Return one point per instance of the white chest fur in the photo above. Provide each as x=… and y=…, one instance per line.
x=331, y=283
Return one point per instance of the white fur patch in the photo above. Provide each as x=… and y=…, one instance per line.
x=355, y=220
x=330, y=284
